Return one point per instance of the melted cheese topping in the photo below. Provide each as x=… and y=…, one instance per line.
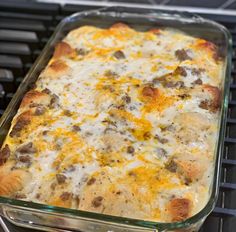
x=129, y=106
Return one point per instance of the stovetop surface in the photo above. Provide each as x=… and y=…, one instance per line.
x=25, y=27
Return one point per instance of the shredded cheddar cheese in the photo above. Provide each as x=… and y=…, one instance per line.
x=120, y=122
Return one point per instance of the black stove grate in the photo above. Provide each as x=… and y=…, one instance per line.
x=25, y=28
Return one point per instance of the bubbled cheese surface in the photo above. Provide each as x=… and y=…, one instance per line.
x=129, y=106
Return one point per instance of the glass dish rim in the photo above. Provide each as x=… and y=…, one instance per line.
x=168, y=14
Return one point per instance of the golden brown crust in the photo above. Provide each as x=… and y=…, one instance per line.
x=192, y=169
x=150, y=92
x=179, y=209
x=12, y=181
x=120, y=25
x=58, y=66
x=216, y=96
x=5, y=169
x=35, y=97
x=63, y=49
x=155, y=31
x=56, y=69
x=210, y=47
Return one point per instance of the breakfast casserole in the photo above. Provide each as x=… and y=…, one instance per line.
x=120, y=122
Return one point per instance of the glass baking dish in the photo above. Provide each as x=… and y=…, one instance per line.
x=50, y=218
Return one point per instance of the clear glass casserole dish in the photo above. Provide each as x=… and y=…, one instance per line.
x=52, y=218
